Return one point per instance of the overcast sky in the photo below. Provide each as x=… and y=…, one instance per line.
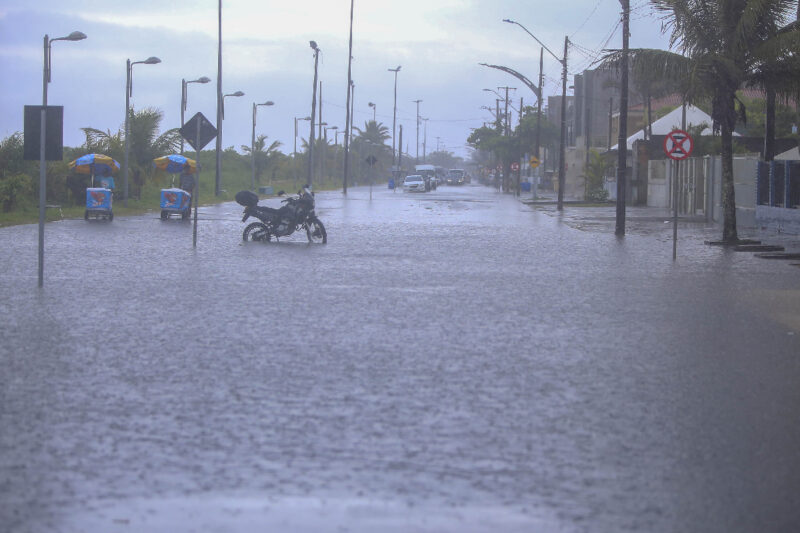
x=438, y=43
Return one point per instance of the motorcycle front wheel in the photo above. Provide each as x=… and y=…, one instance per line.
x=256, y=232
x=316, y=231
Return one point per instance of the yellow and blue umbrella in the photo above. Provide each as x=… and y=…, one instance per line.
x=95, y=164
x=175, y=163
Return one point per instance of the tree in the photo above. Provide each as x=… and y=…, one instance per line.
x=722, y=46
x=264, y=155
x=145, y=143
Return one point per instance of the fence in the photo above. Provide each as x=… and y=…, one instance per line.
x=778, y=195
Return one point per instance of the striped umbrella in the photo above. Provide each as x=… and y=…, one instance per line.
x=174, y=163
x=95, y=164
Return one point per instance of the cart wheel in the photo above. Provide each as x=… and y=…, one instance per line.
x=185, y=214
x=110, y=216
x=86, y=215
x=164, y=215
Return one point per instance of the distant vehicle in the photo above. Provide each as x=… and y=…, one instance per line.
x=414, y=183
x=456, y=176
x=428, y=172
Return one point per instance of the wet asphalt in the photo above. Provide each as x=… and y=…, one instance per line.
x=450, y=361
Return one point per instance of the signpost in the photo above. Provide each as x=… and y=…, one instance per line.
x=678, y=145
x=198, y=132
x=371, y=160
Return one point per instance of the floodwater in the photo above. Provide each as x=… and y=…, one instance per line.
x=452, y=361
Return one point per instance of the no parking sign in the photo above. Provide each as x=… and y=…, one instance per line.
x=678, y=145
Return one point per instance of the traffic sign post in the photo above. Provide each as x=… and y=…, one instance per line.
x=198, y=132
x=678, y=145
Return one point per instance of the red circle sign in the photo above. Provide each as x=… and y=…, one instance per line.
x=678, y=145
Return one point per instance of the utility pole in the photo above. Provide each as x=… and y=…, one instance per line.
x=394, y=116
x=425, y=141
x=321, y=122
x=539, y=110
x=507, y=118
x=610, y=120
x=622, y=141
x=417, y=102
x=562, y=150
x=348, y=117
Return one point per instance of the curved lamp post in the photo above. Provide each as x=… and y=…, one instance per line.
x=253, y=139
x=128, y=93
x=562, y=143
x=74, y=36
x=218, y=190
x=374, y=110
x=184, y=95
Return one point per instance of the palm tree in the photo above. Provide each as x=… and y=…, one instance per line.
x=374, y=132
x=146, y=143
x=263, y=154
x=722, y=45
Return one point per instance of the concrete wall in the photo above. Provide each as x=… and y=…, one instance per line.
x=744, y=183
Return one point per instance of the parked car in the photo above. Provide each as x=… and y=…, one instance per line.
x=414, y=183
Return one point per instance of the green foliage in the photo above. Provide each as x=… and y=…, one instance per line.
x=785, y=117
x=593, y=178
x=12, y=188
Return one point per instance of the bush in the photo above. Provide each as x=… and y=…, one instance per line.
x=12, y=188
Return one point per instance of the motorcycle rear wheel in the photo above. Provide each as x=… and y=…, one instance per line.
x=256, y=232
x=316, y=231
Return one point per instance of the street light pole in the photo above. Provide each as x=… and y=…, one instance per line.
x=562, y=147
x=417, y=102
x=220, y=102
x=374, y=111
x=394, y=114
x=314, y=47
x=74, y=36
x=253, y=140
x=128, y=93
x=184, y=98
x=348, y=118
x=294, y=154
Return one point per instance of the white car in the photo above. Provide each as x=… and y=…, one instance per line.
x=414, y=182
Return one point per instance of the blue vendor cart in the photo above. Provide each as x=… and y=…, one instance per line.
x=99, y=195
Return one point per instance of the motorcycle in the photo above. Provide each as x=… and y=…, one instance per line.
x=297, y=212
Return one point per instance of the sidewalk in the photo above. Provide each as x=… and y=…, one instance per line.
x=643, y=220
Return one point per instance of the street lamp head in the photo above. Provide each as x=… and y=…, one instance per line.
x=313, y=45
x=204, y=79
x=237, y=93
x=268, y=102
x=75, y=36
x=152, y=60
x=509, y=21
x=371, y=104
x=395, y=70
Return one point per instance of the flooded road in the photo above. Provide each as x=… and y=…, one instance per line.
x=449, y=361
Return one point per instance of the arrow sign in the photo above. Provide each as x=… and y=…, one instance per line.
x=371, y=160
x=678, y=145
x=198, y=131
